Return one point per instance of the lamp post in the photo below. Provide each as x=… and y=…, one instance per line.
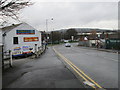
x=46, y=25
x=47, y=29
x=53, y=29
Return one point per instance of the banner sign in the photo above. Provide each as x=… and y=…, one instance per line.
x=19, y=32
x=16, y=51
x=31, y=39
x=16, y=48
x=26, y=49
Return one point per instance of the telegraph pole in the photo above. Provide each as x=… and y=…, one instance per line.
x=46, y=25
x=47, y=29
x=51, y=31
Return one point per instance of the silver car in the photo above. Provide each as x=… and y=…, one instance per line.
x=67, y=45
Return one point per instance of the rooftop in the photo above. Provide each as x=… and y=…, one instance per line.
x=8, y=28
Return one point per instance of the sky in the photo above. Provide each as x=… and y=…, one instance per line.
x=71, y=14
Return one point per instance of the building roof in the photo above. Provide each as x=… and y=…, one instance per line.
x=9, y=28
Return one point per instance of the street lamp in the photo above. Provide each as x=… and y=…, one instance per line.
x=53, y=29
x=46, y=25
x=47, y=29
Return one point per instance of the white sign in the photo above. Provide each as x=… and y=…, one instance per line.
x=47, y=37
x=85, y=38
x=72, y=38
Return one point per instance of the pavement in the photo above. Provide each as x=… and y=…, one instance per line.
x=100, y=49
x=45, y=72
x=101, y=66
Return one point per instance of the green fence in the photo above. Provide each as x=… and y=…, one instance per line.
x=113, y=44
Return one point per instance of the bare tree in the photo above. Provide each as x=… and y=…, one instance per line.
x=93, y=34
x=11, y=8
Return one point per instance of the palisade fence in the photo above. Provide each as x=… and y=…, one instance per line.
x=113, y=43
x=6, y=58
x=40, y=51
x=7, y=55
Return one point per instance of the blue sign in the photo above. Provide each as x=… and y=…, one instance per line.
x=19, y=32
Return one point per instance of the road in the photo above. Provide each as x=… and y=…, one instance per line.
x=45, y=72
x=49, y=71
x=101, y=66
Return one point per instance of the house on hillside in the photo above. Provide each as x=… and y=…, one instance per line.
x=21, y=39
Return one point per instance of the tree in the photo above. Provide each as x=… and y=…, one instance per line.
x=11, y=8
x=93, y=34
x=55, y=36
x=71, y=32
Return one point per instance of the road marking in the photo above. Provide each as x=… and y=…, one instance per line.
x=72, y=67
x=88, y=83
x=85, y=75
x=77, y=70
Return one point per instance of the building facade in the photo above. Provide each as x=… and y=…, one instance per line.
x=21, y=39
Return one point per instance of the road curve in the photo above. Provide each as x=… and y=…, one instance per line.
x=101, y=66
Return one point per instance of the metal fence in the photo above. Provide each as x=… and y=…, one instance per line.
x=113, y=44
x=0, y=67
x=41, y=50
x=83, y=43
x=6, y=58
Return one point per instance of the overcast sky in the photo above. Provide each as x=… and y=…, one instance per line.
x=71, y=14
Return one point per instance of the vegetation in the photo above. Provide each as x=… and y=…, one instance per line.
x=11, y=8
x=69, y=33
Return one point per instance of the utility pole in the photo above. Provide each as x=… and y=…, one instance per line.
x=51, y=31
x=47, y=29
x=46, y=25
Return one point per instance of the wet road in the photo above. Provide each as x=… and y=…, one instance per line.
x=45, y=72
x=101, y=66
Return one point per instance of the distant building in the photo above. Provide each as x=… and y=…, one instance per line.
x=21, y=39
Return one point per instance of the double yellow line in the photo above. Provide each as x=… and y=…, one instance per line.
x=78, y=71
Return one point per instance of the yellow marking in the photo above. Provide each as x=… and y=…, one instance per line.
x=75, y=68
x=86, y=75
x=78, y=73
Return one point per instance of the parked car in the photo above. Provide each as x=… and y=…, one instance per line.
x=66, y=41
x=67, y=45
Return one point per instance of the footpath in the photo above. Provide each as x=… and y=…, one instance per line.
x=45, y=72
x=101, y=49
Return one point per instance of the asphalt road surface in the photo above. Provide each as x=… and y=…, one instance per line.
x=45, y=72
x=101, y=66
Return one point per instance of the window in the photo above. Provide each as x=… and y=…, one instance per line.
x=15, y=40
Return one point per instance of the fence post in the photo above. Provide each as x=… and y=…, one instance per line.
x=35, y=50
x=2, y=58
x=10, y=58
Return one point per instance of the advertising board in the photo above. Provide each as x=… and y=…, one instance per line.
x=31, y=39
x=21, y=32
x=16, y=51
